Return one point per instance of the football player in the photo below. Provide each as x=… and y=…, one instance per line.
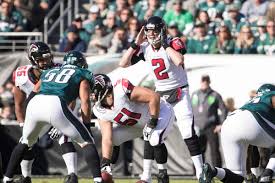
x=165, y=57
x=25, y=77
x=254, y=124
x=58, y=87
x=136, y=111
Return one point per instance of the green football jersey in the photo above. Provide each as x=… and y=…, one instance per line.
x=261, y=107
x=64, y=81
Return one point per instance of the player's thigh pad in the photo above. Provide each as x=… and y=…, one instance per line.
x=184, y=115
x=165, y=124
x=125, y=133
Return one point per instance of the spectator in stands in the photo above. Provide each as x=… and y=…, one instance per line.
x=225, y=42
x=226, y=4
x=7, y=113
x=206, y=103
x=25, y=8
x=201, y=42
x=103, y=8
x=260, y=32
x=132, y=29
x=151, y=8
x=6, y=94
x=270, y=13
x=72, y=41
x=213, y=8
x=182, y=17
x=204, y=18
x=41, y=8
x=110, y=22
x=93, y=19
x=135, y=6
x=252, y=9
x=118, y=5
x=119, y=41
x=83, y=34
x=267, y=46
x=124, y=16
x=173, y=30
x=10, y=19
x=246, y=43
x=235, y=20
x=100, y=41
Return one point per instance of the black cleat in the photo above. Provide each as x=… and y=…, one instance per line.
x=71, y=178
x=163, y=176
x=265, y=179
x=207, y=174
x=23, y=179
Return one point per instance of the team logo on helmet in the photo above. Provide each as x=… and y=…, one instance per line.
x=33, y=48
x=99, y=79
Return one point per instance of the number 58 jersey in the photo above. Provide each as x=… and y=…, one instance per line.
x=64, y=82
x=124, y=112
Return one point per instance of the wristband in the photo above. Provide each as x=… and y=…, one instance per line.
x=105, y=162
x=134, y=45
x=153, y=122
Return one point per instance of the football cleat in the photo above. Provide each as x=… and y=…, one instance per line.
x=23, y=179
x=207, y=174
x=71, y=178
x=163, y=176
x=251, y=178
x=265, y=179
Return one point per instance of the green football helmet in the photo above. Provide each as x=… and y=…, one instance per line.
x=266, y=88
x=75, y=58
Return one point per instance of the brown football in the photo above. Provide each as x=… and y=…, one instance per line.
x=106, y=177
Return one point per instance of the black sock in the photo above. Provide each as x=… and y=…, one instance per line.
x=231, y=177
x=15, y=159
x=160, y=153
x=115, y=154
x=92, y=159
x=1, y=167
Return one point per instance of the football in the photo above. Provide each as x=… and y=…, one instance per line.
x=106, y=177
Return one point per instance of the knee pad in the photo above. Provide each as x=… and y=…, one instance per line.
x=148, y=151
x=193, y=145
x=232, y=177
x=67, y=148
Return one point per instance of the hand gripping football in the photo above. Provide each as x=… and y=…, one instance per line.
x=106, y=177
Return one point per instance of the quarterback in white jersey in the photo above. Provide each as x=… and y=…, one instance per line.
x=165, y=57
x=25, y=78
x=137, y=111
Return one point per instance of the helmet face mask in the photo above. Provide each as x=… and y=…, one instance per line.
x=154, y=28
x=102, y=88
x=40, y=55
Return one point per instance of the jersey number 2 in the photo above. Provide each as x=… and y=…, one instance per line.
x=128, y=122
x=161, y=67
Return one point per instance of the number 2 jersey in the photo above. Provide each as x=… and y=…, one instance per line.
x=24, y=79
x=166, y=74
x=262, y=109
x=64, y=82
x=124, y=112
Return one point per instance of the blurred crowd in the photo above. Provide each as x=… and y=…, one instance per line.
x=109, y=26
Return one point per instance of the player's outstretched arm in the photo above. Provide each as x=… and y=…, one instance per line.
x=84, y=95
x=145, y=95
x=107, y=141
x=19, y=99
x=127, y=56
x=273, y=101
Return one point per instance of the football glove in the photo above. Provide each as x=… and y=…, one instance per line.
x=147, y=132
x=106, y=166
x=54, y=133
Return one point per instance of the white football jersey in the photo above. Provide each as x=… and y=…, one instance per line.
x=124, y=112
x=166, y=74
x=21, y=77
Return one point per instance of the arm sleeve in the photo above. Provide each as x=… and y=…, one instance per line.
x=178, y=45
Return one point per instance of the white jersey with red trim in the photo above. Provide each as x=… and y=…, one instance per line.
x=21, y=77
x=166, y=74
x=124, y=112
